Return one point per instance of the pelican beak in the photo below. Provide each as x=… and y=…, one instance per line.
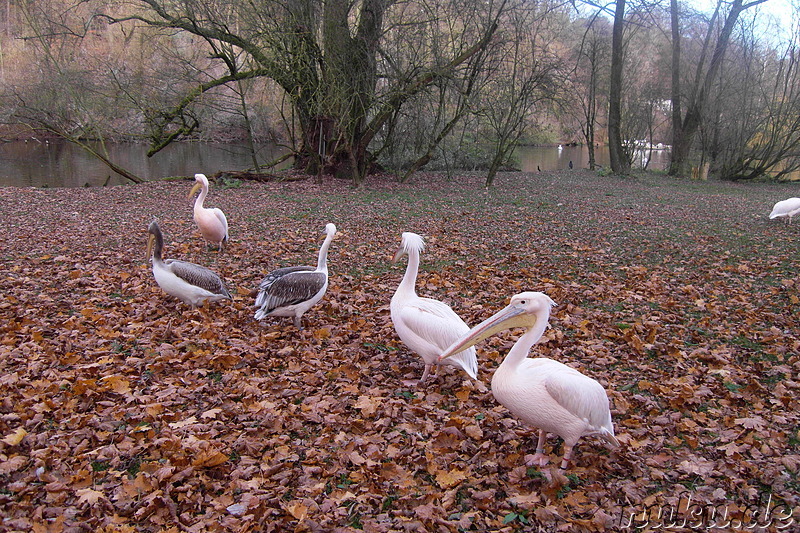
x=197, y=187
x=150, y=240
x=510, y=317
x=398, y=255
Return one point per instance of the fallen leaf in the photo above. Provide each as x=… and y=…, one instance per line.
x=297, y=509
x=117, y=384
x=208, y=458
x=368, y=405
x=12, y=464
x=16, y=437
x=211, y=413
x=451, y=478
x=183, y=423
x=89, y=495
x=237, y=509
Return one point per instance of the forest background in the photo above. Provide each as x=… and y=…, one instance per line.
x=352, y=87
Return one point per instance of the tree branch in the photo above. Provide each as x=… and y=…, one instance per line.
x=414, y=86
x=166, y=118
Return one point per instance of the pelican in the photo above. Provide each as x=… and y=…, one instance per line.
x=786, y=208
x=542, y=392
x=291, y=291
x=211, y=222
x=425, y=325
x=190, y=283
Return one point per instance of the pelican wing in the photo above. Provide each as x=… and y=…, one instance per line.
x=579, y=394
x=198, y=276
x=784, y=208
x=436, y=324
x=289, y=286
x=277, y=274
x=434, y=321
x=222, y=219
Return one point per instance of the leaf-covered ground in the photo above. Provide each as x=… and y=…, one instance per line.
x=121, y=410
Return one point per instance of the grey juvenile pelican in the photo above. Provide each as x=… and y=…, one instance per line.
x=291, y=291
x=190, y=283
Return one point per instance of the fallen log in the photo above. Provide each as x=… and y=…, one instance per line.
x=258, y=176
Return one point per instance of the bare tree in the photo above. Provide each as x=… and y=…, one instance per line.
x=522, y=77
x=620, y=163
x=447, y=101
x=645, y=106
x=754, y=124
x=685, y=126
x=589, y=78
x=64, y=98
x=327, y=57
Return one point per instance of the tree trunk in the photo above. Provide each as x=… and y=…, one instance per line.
x=685, y=128
x=494, y=166
x=591, y=116
x=351, y=75
x=106, y=161
x=324, y=55
x=251, y=145
x=680, y=151
x=428, y=155
x=619, y=160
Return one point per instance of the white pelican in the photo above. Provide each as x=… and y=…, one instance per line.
x=786, y=208
x=542, y=392
x=291, y=291
x=190, y=283
x=211, y=222
x=425, y=325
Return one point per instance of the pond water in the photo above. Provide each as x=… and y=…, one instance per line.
x=534, y=158
x=62, y=164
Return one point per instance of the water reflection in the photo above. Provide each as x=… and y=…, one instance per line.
x=62, y=164
x=533, y=158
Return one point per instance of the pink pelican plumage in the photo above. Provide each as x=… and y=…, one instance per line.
x=427, y=326
x=786, y=208
x=211, y=221
x=192, y=284
x=542, y=392
x=291, y=291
